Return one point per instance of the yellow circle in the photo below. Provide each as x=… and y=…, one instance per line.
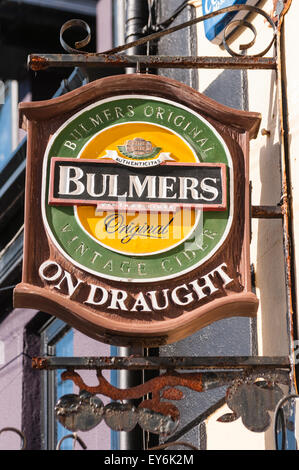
x=138, y=233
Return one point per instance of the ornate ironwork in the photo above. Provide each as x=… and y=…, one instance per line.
x=113, y=57
x=251, y=398
x=250, y=381
x=162, y=417
x=79, y=412
x=19, y=433
x=79, y=44
x=73, y=436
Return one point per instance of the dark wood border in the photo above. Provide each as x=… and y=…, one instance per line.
x=42, y=119
x=241, y=121
x=113, y=332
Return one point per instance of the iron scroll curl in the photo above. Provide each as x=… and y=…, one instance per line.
x=163, y=32
x=19, y=433
x=78, y=44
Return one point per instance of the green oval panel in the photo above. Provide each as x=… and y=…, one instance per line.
x=83, y=250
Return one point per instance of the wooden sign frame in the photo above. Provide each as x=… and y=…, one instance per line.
x=118, y=311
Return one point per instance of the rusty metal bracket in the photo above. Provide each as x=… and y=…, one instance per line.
x=256, y=378
x=225, y=363
x=266, y=212
x=38, y=62
x=115, y=57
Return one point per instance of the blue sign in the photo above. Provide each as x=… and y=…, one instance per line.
x=215, y=26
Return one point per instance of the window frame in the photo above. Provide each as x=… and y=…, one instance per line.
x=11, y=92
x=53, y=331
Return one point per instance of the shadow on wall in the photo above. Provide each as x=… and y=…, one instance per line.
x=228, y=89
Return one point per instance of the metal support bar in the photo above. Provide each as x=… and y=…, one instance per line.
x=288, y=239
x=37, y=62
x=167, y=363
x=266, y=212
x=116, y=56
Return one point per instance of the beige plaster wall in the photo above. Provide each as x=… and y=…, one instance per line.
x=257, y=92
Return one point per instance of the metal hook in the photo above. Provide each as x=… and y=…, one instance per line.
x=73, y=436
x=20, y=433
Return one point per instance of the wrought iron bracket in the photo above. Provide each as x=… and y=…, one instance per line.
x=38, y=62
x=247, y=379
x=267, y=212
x=116, y=58
x=208, y=363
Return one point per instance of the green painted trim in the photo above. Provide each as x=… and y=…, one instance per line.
x=85, y=250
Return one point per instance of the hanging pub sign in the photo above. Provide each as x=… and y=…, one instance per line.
x=137, y=210
x=215, y=26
